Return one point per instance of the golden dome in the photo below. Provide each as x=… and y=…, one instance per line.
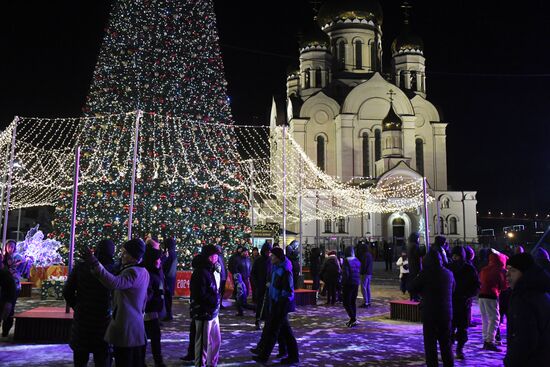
x=350, y=9
x=407, y=42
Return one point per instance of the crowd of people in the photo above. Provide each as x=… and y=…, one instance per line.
x=119, y=304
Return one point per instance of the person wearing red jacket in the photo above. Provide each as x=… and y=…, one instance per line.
x=493, y=281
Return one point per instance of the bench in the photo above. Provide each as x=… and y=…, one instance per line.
x=308, y=284
x=43, y=324
x=26, y=289
x=305, y=297
x=405, y=310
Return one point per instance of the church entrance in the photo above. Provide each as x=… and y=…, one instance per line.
x=398, y=230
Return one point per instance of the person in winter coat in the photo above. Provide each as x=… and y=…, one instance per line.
x=331, y=273
x=493, y=282
x=351, y=278
x=403, y=264
x=281, y=302
x=542, y=259
x=436, y=285
x=260, y=276
x=528, y=327
x=241, y=293
x=414, y=254
x=223, y=275
x=234, y=260
x=7, y=291
x=315, y=267
x=205, y=306
x=442, y=246
x=365, y=258
x=155, y=305
x=293, y=254
x=91, y=302
x=169, y=269
x=388, y=255
x=467, y=286
x=126, y=331
x=14, y=263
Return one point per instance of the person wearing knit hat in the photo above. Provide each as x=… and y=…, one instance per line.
x=126, y=331
x=528, y=326
x=467, y=286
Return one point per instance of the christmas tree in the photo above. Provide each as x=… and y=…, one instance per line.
x=161, y=57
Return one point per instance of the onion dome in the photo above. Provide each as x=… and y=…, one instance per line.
x=335, y=10
x=392, y=121
x=407, y=42
x=314, y=38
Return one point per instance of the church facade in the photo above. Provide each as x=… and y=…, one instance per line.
x=361, y=125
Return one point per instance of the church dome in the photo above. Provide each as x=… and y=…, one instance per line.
x=407, y=41
x=314, y=37
x=392, y=121
x=350, y=9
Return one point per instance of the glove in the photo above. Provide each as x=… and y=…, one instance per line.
x=88, y=256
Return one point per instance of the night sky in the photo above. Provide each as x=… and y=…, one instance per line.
x=488, y=65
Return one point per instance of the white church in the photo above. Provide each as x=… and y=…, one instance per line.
x=361, y=126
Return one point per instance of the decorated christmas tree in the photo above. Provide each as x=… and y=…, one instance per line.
x=161, y=57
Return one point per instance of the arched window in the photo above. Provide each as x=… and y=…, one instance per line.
x=321, y=152
x=420, y=156
x=307, y=79
x=441, y=226
x=413, y=80
x=341, y=225
x=366, y=160
x=445, y=203
x=358, y=54
x=318, y=78
x=453, y=228
x=341, y=55
x=328, y=226
x=377, y=145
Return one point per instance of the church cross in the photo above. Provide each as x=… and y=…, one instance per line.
x=391, y=93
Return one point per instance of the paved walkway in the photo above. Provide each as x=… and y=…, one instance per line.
x=322, y=337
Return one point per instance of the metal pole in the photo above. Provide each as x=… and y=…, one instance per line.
x=284, y=187
x=134, y=167
x=8, y=191
x=426, y=228
x=2, y=191
x=73, y=212
x=18, y=223
x=300, y=212
x=438, y=230
x=251, y=199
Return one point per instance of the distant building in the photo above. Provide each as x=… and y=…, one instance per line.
x=360, y=125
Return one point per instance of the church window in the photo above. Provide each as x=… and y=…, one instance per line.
x=341, y=55
x=374, y=55
x=413, y=80
x=321, y=152
x=341, y=225
x=328, y=226
x=318, y=78
x=453, y=226
x=358, y=54
x=420, y=156
x=307, y=79
x=377, y=145
x=445, y=203
x=366, y=161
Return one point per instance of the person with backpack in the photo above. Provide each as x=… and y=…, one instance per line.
x=350, y=285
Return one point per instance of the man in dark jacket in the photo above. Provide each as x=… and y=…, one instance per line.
x=528, y=327
x=365, y=258
x=205, y=307
x=351, y=278
x=281, y=298
x=315, y=267
x=91, y=302
x=441, y=245
x=331, y=273
x=260, y=277
x=7, y=291
x=223, y=275
x=155, y=303
x=293, y=254
x=414, y=254
x=388, y=255
x=467, y=286
x=169, y=269
x=436, y=285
